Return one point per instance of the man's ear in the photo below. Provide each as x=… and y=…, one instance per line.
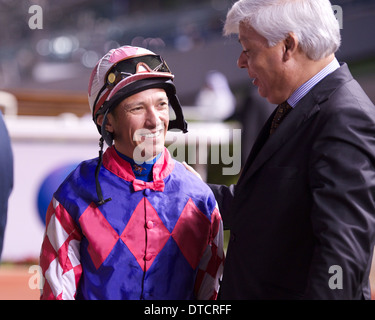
x=108, y=122
x=290, y=46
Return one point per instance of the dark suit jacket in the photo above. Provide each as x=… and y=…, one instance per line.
x=6, y=176
x=305, y=201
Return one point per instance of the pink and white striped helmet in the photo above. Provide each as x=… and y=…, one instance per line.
x=106, y=81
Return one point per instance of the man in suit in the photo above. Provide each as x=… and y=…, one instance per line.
x=302, y=215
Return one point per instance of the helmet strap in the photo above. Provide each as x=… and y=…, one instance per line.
x=107, y=136
x=97, y=170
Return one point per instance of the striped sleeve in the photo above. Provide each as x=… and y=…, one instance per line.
x=211, y=265
x=60, y=257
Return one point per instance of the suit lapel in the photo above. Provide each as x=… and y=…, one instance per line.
x=266, y=145
x=258, y=144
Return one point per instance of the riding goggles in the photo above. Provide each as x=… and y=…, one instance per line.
x=132, y=66
x=139, y=67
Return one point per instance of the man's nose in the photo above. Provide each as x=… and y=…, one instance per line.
x=152, y=118
x=242, y=61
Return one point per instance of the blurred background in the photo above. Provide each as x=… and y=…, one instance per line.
x=43, y=91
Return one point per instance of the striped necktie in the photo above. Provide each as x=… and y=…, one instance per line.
x=281, y=112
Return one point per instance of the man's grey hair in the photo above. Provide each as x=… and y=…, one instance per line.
x=312, y=21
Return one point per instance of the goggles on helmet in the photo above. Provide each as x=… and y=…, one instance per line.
x=133, y=66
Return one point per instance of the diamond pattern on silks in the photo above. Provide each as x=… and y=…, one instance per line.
x=191, y=233
x=281, y=112
x=99, y=233
x=145, y=235
x=145, y=246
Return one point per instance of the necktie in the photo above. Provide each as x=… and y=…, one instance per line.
x=281, y=112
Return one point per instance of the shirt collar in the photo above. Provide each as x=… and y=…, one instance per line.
x=142, y=171
x=308, y=85
x=114, y=163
